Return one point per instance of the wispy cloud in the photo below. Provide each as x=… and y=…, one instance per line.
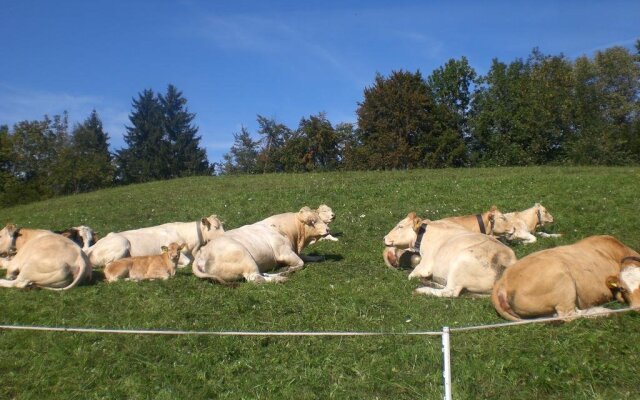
x=20, y=104
x=275, y=39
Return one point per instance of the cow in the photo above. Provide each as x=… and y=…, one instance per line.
x=453, y=257
x=162, y=266
x=564, y=281
x=528, y=220
x=82, y=235
x=327, y=216
x=626, y=286
x=250, y=251
x=147, y=241
x=42, y=259
x=491, y=222
x=288, y=222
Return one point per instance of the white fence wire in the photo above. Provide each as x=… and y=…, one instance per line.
x=444, y=333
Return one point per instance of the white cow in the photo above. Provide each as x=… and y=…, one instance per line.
x=251, y=250
x=528, y=220
x=148, y=241
x=43, y=259
x=451, y=256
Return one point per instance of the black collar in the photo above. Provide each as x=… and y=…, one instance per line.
x=539, y=217
x=421, y=231
x=630, y=258
x=481, y=223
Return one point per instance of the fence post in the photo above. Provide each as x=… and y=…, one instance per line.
x=446, y=367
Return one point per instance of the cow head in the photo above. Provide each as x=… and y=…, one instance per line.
x=173, y=250
x=500, y=225
x=404, y=234
x=84, y=236
x=626, y=286
x=400, y=259
x=313, y=226
x=544, y=217
x=8, y=236
x=326, y=213
x=210, y=227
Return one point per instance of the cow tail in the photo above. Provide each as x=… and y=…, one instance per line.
x=501, y=302
x=84, y=271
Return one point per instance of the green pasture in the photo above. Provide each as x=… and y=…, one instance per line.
x=352, y=290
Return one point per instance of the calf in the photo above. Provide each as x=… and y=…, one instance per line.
x=162, y=266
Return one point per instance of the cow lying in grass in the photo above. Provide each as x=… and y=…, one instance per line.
x=162, y=266
x=147, y=241
x=451, y=256
x=43, y=259
x=564, y=281
x=491, y=222
x=528, y=220
x=250, y=251
x=287, y=223
x=82, y=235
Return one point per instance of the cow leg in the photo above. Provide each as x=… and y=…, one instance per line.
x=290, y=260
x=257, y=277
x=529, y=238
x=549, y=235
x=448, y=291
x=18, y=283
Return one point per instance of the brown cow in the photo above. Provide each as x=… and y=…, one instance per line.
x=564, y=281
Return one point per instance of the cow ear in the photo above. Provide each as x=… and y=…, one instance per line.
x=12, y=229
x=417, y=222
x=492, y=213
x=164, y=249
x=206, y=222
x=306, y=216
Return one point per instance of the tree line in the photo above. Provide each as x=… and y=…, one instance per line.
x=540, y=110
x=545, y=109
x=44, y=158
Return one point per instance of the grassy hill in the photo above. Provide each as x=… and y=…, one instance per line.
x=351, y=291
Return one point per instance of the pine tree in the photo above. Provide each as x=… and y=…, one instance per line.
x=147, y=156
x=186, y=158
x=92, y=167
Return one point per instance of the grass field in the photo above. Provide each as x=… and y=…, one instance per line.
x=351, y=291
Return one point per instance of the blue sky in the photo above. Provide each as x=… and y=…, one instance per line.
x=284, y=59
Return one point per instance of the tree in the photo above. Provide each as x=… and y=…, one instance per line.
x=147, y=156
x=452, y=86
x=274, y=136
x=399, y=122
x=37, y=152
x=523, y=112
x=186, y=158
x=91, y=166
x=242, y=157
x=321, y=150
x=607, y=117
